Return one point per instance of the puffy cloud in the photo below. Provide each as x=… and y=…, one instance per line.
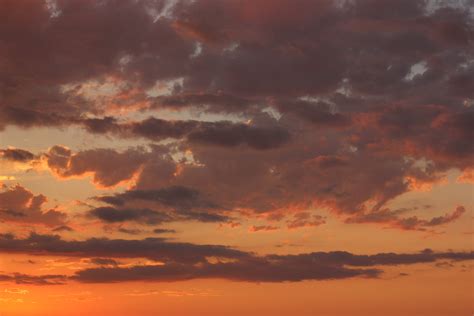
x=108, y=166
x=249, y=51
x=359, y=92
x=432, y=131
x=19, y=205
x=311, y=172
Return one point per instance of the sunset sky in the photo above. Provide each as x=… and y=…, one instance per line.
x=236, y=157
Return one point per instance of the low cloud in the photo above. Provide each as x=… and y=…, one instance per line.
x=270, y=268
x=25, y=279
x=185, y=261
x=15, y=154
x=19, y=205
x=174, y=203
x=158, y=249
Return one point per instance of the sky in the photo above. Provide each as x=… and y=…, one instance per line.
x=237, y=157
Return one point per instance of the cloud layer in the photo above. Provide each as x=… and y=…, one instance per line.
x=185, y=261
x=283, y=114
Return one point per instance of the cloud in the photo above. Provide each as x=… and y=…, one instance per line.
x=218, y=102
x=164, y=231
x=435, y=132
x=242, y=57
x=271, y=268
x=305, y=219
x=259, y=272
x=223, y=133
x=20, y=278
x=347, y=129
x=14, y=154
x=125, y=230
x=175, y=203
x=318, y=113
x=265, y=228
x=174, y=196
x=394, y=219
x=185, y=261
x=104, y=261
x=162, y=187
x=157, y=249
x=112, y=215
x=108, y=167
x=18, y=205
x=62, y=228
x=232, y=136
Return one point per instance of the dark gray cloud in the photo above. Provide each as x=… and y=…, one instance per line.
x=250, y=271
x=158, y=249
x=14, y=154
x=112, y=215
x=168, y=204
x=148, y=216
x=227, y=135
x=271, y=268
x=175, y=196
x=223, y=133
x=184, y=261
x=317, y=113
